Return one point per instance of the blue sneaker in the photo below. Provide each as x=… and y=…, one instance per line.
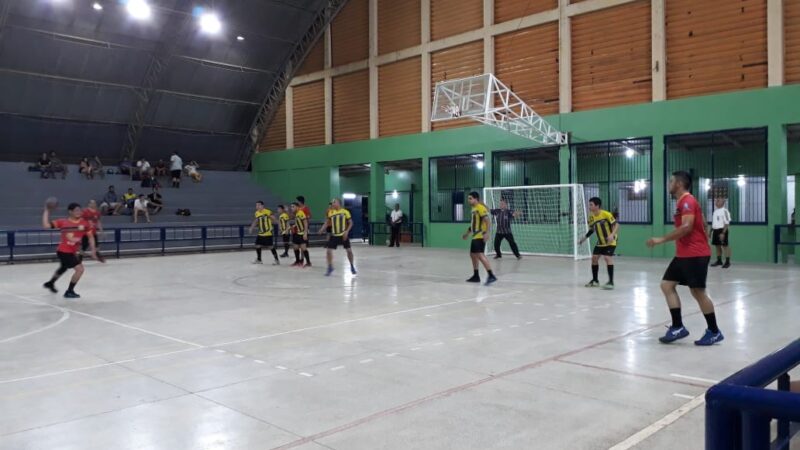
x=710, y=338
x=353, y=270
x=329, y=271
x=673, y=334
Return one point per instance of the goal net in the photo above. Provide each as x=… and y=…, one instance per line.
x=548, y=220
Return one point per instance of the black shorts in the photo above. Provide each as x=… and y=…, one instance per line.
x=286, y=238
x=298, y=240
x=68, y=260
x=716, y=235
x=477, y=246
x=335, y=241
x=175, y=173
x=264, y=241
x=608, y=250
x=690, y=272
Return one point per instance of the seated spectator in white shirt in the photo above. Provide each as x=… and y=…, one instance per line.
x=140, y=206
x=144, y=168
x=191, y=170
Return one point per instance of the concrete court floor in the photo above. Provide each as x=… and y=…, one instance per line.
x=211, y=352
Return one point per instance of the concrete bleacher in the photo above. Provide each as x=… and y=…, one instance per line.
x=222, y=197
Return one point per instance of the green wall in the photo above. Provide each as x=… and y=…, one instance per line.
x=311, y=170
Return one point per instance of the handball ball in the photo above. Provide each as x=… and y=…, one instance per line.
x=51, y=203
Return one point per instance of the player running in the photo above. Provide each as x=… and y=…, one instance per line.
x=480, y=230
x=73, y=229
x=285, y=229
x=339, y=224
x=605, y=226
x=690, y=265
x=300, y=237
x=264, y=220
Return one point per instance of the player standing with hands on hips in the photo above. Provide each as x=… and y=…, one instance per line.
x=480, y=230
x=690, y=265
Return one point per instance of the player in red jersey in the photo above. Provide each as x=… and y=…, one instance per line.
x=690, y=265
x=92, y=215
x=73, y=229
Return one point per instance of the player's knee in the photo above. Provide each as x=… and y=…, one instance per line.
x=667, y=287
x=79, y=269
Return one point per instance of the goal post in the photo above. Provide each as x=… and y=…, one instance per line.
x=549, y=220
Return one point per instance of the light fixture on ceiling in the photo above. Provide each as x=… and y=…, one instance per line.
x=209, y=23
x=240, y=38
x=97, y=6
x=139, y=9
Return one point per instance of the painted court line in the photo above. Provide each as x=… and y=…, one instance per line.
x=281, y=368
x=258, y=361
x=305, y=374
x=687, y=377
x=390, y=355
x=688, y=397
x=660, y=424
x=334, y=369
x=366, y=361
x=64, y=316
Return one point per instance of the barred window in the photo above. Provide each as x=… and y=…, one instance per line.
x=728, y=164
x=452, y=178
x=619, y=173
x=529, y=167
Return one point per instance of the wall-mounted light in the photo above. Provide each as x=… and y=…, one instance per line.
x=395, y=195
x=741, y=182
x=630, y=153
x=349, y=196
x=479, y=165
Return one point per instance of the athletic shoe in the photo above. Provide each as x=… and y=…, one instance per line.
x=307, y=266
x=285, y=255
x=592, y=284
x=726, y=265
x=717, y=263
x=491, y=279
x=296, y=264
x=608, y=287
x=497, y=256
x=519, y=258
x=474, y=279
x=51, y=287
x=258, y=261
x=277, y=262
x=71, y=294
x=101, y=258
x=353, y=270
x=673, y=334
x=329, y=271
x=710, y=338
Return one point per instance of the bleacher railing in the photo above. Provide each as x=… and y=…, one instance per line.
x=785, y=235
x=380, y=232
x=739, y=410
x=30, y=245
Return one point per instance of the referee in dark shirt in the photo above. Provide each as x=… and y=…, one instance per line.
x=503, y=217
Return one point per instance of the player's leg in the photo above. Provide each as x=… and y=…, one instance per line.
x=76, y=276
x=697, y=272
x=675, y=274
x=285, y=253
x=513, y=244
x=329, y=248
x=595, y=281
x=488, y=266
x=306, y=255
x=258, y=251
x=726, y=249
x=146, y=215
x=350, y=256
x=135, y=215
x=610, y=267
x=498, y=239
x=476, y=278
x=274, y=251
x=297, y=260
x=62, y=268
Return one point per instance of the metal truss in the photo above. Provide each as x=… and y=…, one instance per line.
x=273, y=99
x=486, y=99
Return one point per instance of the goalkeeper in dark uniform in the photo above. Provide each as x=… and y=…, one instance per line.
x=503, y=217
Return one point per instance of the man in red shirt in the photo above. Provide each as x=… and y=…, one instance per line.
x=92, y=215
x=690, y=265
x=73, y=229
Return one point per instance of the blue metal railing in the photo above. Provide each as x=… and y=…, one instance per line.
x=784, y=235
x=739, y=410
x=18, y=245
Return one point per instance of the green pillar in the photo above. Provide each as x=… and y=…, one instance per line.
x=658, y=192
x=563, y=164
x=377, y=192
x=487, y=170
x=335, y=187
x=776, y=180
x=426, y=199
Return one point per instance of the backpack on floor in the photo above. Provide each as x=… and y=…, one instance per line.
x=183, y=212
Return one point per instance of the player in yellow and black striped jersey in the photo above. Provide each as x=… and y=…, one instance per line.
x=602, y=224
x=264, y=222
x=300, y=237
x=479, y=230
x=285, y=229
x=338, y=223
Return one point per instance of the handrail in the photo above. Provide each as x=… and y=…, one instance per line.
x=778, y=239
x=739, y=410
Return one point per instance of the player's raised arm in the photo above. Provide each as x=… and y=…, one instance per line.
x=46, y=218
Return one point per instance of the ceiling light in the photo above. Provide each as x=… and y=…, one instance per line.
x=209, y=23
x=239, y=38
x=97, y=6
x=139, y=9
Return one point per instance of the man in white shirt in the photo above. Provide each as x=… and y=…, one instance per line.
x=140, y=206
x=175, y=167
x=397, y=221
x=719, y=232
x=144, y=168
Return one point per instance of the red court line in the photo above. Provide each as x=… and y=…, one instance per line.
x=464, y=387
x=633, y=374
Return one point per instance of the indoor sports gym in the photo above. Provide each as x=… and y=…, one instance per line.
x=399, y=224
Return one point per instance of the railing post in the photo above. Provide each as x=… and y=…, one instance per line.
x=755, y=431
x=776, y=239
x=204, y=236
x=117, y=239
x=163, y=236
x=11, y=239
x=723, y=425
x=783, y=424
x=241, y=236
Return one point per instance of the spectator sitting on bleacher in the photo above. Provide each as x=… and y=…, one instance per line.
x=97, y=167
x=45, y=166
x=125, y=166
x=155, y=201
x=110, y=203
x=140, y=206
x=161, y=168
x=191, y=170
x=85, y=169
x=129, y=198
x=143, y=167
x=57, y=166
